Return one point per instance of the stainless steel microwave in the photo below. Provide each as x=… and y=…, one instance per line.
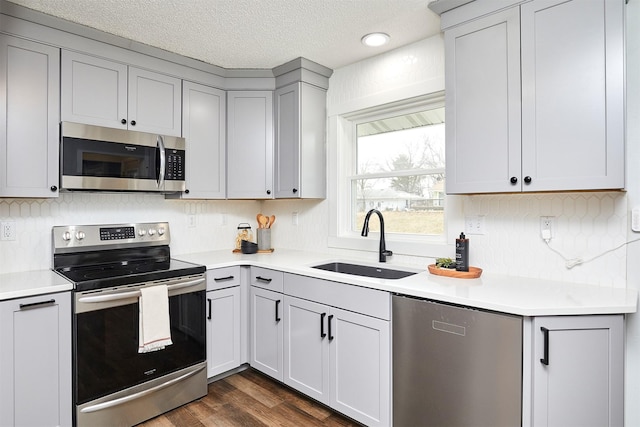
x=95, y=158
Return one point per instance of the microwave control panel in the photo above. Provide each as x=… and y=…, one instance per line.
x=175, y=165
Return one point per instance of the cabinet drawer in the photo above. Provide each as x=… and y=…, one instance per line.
x=267, y=279
x=371, y=302
x=225, y=277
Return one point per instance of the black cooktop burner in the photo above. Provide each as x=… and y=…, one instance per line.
x=105, y=269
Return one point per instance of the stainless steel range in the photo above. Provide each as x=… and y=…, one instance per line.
x=111, y=266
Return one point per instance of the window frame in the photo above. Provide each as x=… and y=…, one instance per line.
x=342, y=169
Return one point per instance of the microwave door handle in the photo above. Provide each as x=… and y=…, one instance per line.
x=163, y=161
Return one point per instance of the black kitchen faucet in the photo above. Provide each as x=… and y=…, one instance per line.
x=384, y=253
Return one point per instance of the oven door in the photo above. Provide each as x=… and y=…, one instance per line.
x=106, y=358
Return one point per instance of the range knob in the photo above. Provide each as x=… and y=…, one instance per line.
x=152, y=232
x=66, y=236
x=161, y=231
x=80, y=235
x=142, y=232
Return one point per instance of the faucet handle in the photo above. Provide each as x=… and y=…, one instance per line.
x=387, y=253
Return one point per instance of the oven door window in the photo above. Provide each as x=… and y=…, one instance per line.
x=89, y=158
x=107, y=358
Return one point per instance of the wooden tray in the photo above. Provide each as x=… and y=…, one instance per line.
x=473, y=273
x=260, y=251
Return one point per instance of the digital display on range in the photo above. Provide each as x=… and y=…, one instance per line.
x=117, y=233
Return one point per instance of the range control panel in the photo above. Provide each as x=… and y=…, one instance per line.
x=71, y=238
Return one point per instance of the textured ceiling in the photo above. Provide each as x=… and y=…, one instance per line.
x=253, y=33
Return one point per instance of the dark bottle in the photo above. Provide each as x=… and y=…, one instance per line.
x=462, y=253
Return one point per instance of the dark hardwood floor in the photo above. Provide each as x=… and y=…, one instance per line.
x=250, y=399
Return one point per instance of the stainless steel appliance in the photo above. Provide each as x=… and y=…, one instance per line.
x=114, y=384
x=96, y=158
x=455, y=366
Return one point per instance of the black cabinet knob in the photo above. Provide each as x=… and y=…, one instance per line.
x=54, y=188
x=186, y=191
x=268, y=191
x=133, y=122
x=527, y=180
x=295, y=190
x=514, y=180
x=123, y=121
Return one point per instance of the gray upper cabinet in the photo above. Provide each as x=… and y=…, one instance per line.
x=300, y=123
x=204, y=129
x=250, y=144
x=535, y=98
x=108, y=93
x=29, y=113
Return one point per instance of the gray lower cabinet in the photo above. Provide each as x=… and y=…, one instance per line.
x=35, y=361
x=29, y=118
x=578, y=377
x=337, y=346
x=224, y=319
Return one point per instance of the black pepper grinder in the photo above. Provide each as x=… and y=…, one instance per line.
x=462, y=253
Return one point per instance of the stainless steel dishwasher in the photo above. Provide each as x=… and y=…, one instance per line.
x=455, y=366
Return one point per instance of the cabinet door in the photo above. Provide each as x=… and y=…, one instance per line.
x=250, y=145
x=483, y=141
x=581, y=382
x=267, y=332
x=94, y=91
x=359, y=362
x=300, y=120
x=306, y=352
x=155, y=102
x=203, y=127
x=223, y=330
x=29, y=113
x=573, y=94
x=35, y=361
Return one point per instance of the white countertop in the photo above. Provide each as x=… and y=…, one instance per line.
x=31, y=283
x=515, y=295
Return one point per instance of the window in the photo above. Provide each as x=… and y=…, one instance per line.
x=391, y=158
x=399, y=170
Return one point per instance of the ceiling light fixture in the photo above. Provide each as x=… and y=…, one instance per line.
x=375, y=39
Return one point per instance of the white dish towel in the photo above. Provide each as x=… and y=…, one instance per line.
x=155, y=329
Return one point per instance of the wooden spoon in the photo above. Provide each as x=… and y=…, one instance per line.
x=272, y=219
x=263, y=221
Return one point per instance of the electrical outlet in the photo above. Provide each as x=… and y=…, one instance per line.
x=8, y=230
x=546, y=227
x=191, y=221
x=474, y=224
x=294, y=218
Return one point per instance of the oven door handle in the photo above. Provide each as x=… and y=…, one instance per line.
x=125, y=399
x=135, y=294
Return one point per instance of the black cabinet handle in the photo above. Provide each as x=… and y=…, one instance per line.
x=277, y=317
x=133, y=122
x=295, y=190
x=209, y=302
x=37, y=304
x=54, y=188
x=545, y=334
x=186, y=191
x=527, y=180
x=222, y=279
x=329, y=325
x=514, y=180
x=263, y=279
x=123, y=121
x=268, y=191
x=322, y=333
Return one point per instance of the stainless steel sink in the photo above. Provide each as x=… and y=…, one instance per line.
x=364, y=270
